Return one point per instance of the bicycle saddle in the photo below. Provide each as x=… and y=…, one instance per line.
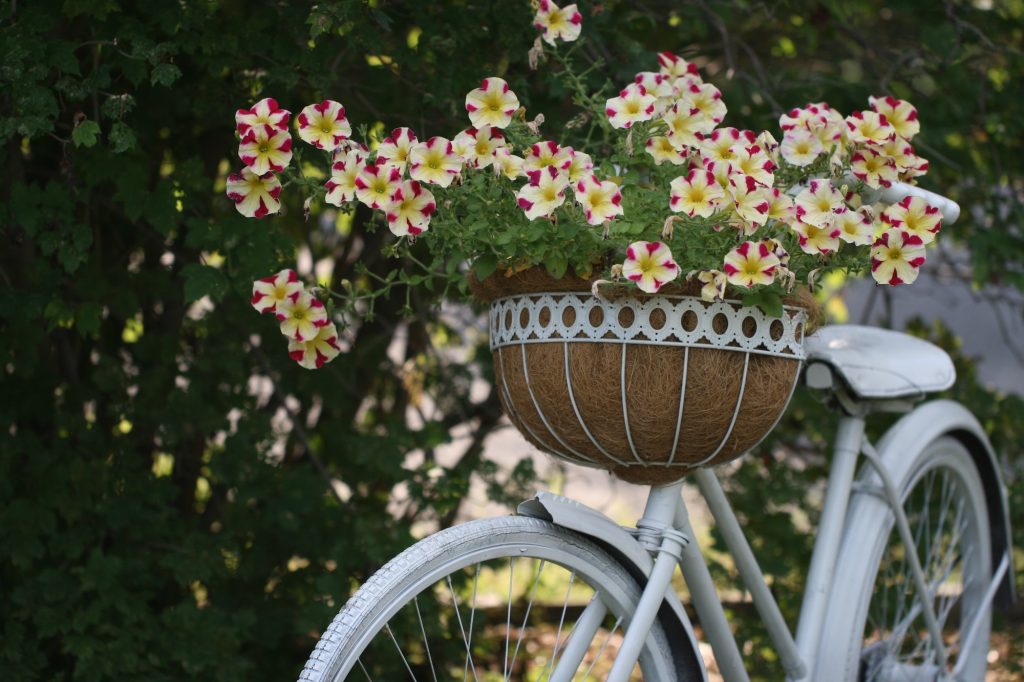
x=880, y=363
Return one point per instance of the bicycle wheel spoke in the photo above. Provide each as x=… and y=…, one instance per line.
x=363, y=668
x=561, y=621
x=458, y=617
x=426, y=644
x=508, y=617
x=387, y=629
x=529, y=605
x=472, y=615
x=600, y=651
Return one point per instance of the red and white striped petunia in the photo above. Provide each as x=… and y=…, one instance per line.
x=563, y=23
x=409, y=209
x=800, y=147
x=492, y=104
x=908, y=163
x=864, y=127
x=916, y=216
x=581, y=165
x=780, y=206
x=750, y=201
x=341, y=186
x=434, y=161
x=395, y=149
x=819, y=203
x=265, y=148
x=675, y=66
x=478, y=145
x=705, y=98
x=874, y=169
x=750, y=264
x=856, y=227
x=267, y=292
x=802, y=117
x=633, y=104
x=650, y=265
x=375, y=183
x=896, y=257
x=900, y=114
x=255, y=196
x=264, y=112
x=723, y=143
x=301, y=317
x=816, y=240
x=752, y=161
x=696, y=194
x=686, y=126
x=508, y=164
x=324, y=125
x=601, y=201
x=714, y=282
x=661, y=150
x=547, y=153
x=544, y=193
x=317, y=351
x=659, y=85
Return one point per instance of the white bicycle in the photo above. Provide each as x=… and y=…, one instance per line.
x=911, y=555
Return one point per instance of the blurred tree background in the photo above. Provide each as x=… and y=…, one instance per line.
x=177, y=498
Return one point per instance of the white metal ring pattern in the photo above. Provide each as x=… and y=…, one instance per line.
x=580, y=317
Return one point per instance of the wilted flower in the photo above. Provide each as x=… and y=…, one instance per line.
x=749, y=264
x=434, y=161
x=492, y=104
x=317, y=351
x=324, y=125
x=254, y=195
x=395, y=148
x=409, y=209
x=650, y=265
x=267, y=292
x=776, y=247
x=601, y=201
x=563, y=23
x=264, y=112
x=896, y=257
x=714, y=282
x=697, y=194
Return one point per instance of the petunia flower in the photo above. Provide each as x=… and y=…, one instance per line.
x=633, y=104
x=714, y=282
x=750, y=201
x=780, y=205
x=660, y=148
x=601, y=201
x=723, y=143
x=749, y=264
x=802, y=117
x=267, y=292
x=686, y=126
x=544, y=193
x=547, y=153
x=900, y=114
x=434, y=161
x=563, y=23
x=874, y=169
x=254, y=195
x=897, y=257
x=301, y=317
x=409, y=209
x=581, y=165
x=800, y=147
x=705, y=98
x=650, y=265
x=816, y=240
x=508, y=164
x=659, y=85
x=264, y=112
x=341, y=186
x=776, y=247
x=324, y=125
x=375, y=184
x=908, y=163
x=395, y=149
x=477, y=145
x=265, y=148
x=868, y=127
x=696, y=194
x=492, y=104
x=675, y=66
x=752, y=161
x=915, y=216
x=856, y=227
x=317, y=351
x=819, y=203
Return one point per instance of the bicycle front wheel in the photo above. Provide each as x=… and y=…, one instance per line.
x=510, y=598
x=877, y=633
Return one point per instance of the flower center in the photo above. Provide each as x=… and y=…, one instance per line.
x=550, y=193
x=751, y=268
x=325, y=128
x=482, y=148
x=633, y=107
x=895, y=253
x=263, y=149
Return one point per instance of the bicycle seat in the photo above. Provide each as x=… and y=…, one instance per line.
x=881, y=363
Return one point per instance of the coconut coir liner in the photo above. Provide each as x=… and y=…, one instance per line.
x=653, y=377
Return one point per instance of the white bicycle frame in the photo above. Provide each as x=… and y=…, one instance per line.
x=665, y=531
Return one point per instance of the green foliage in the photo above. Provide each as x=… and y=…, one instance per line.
x=157, y=505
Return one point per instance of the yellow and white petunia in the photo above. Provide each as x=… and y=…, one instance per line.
x=264, y=112
x=659, y=85
x=856, y=227
x=341, y=186
x=776, y=247
x=752, y=161
x=265, y=148
x=864, y=127
x=563, y=23
x=780, y=206
x=508, y=164
x=900, y=114
x=908, y=163
x=874, y=169
x=750, y=201
x=816, y=240
x=675, y=66
x=434, y=161
x=301, y=317
x=686, y=126
x=601, y=201
x=478, y=145
x=749, y=264
x=633, y=104
x=492, y=104
x=409, y=209
x=819, y=203
x=581, y=165
x=705, y=98
x=316, y=352
x=375, y=184
x=800, y=147
x=661, y=150
x=916, y=216
x=650, y=265
x=802, y=117
x=723, y=143
x=395, y=148
x=267, y=292
x=547, y=154
x=544, y=193
x=255, y=196
x=696, y=194
x=714, y=282
x=324, y=125
x=896, y=257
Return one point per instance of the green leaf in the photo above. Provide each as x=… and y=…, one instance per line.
x=164, y=74
x=767, y=300
x=85, y=133
x=485, y=265
x=87, y=318
x=556, y=264
x=121, y=137
x=203, y=280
